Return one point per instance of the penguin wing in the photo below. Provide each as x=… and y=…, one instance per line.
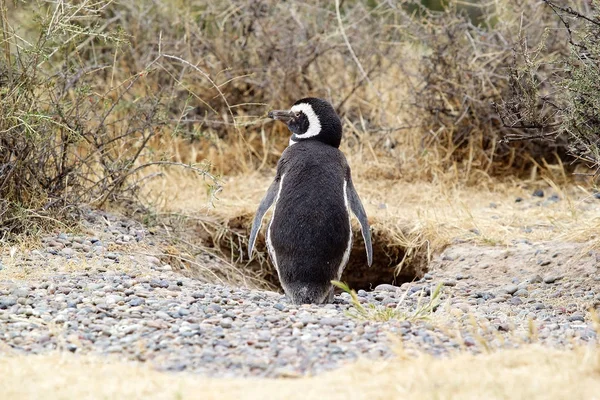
x=264, y=206
x=358, y=210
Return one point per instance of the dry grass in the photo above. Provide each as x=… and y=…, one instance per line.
x=411, y=221
x=528, y=373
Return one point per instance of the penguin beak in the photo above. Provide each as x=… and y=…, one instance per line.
x=281, y=115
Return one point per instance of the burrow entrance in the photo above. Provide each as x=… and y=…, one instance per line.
x=230, y=238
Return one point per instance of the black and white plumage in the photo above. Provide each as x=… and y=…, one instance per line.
x=309, y=237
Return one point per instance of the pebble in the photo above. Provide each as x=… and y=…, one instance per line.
x=510, y=289
x=538, y=193
x=216, y=330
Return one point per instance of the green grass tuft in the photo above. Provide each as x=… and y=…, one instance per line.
x=373, y=312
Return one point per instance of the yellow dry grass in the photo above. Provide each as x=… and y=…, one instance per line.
x=528, y=373
x=416, y=213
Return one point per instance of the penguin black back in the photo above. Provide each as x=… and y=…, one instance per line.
x=309, y=237
x=310, y=229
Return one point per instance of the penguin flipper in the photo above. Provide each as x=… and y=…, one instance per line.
x=358, y=210
x=264, y=206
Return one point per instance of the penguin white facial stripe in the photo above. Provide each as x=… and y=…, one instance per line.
x=314, y=125
x=349, y=247
x=269, y=243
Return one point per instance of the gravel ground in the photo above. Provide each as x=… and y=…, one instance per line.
x=116, y=299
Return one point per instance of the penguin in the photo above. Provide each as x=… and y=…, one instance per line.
x=309, y=236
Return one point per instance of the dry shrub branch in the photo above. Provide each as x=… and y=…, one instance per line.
x=72, y=130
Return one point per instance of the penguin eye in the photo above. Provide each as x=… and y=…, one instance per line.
x=297, y=114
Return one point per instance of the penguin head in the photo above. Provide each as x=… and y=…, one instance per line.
x=311, y=119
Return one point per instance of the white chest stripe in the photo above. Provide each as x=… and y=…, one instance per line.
x=349, y=247
x=269, y=243
x=314, y=125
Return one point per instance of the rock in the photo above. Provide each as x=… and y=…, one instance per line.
x=136, y=301
x=521, y=293
x=385, y=287
x=8, y=301
x=215, y=307
x=538, y=193
x=162, y=315
x=159, y=283
x=536, y=279
x=22, y=291
x=515, y=301
x=226, y=323
x=331, y=321
x=550, y=279
x=153, y=260
x=510, y=289
x=576, y=317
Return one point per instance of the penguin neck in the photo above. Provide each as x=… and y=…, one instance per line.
x=329, y=140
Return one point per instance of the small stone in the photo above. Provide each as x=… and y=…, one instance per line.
x=21, y=292
x=538, y=193
x=576, y=317
x=448, y=257
x=7, y=301
x=136, y=301
x=159, y=283
x=386, y=287
x=153, y=260
x=536, y=279
x=279, y=306
x=550, y=279
x=330, y=321
x=67, y=251
x=264, y=336
x=539, y=306
x=515, y=301
x=521, y=293
x=111, y=256
x=518, y=199
x=226, y=323
x=215, y=307
x=162, y=315
x=183, y=311
x=510, y=289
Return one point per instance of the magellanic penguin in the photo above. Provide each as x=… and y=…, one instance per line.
x=309, y=236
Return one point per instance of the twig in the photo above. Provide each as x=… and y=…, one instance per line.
x=352, y=54
x=209, y=79
x=571, y=11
